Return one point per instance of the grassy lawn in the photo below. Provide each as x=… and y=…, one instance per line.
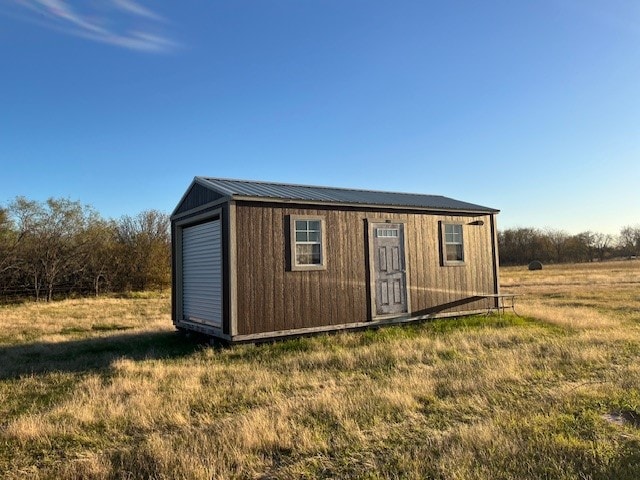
x=105, y=389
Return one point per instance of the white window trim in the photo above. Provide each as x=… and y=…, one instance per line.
x=444, y=243
x=292, y=246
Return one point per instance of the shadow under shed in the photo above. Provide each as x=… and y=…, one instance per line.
x=92, y=354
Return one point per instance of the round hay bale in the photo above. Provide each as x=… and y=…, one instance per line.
x=535, y=265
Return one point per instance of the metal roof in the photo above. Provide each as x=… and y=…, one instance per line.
x=309, y=193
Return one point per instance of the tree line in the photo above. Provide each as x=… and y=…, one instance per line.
x=519, y=246
x=60, y=247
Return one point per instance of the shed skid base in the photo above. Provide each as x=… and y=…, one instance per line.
x=281, y=334
x=201, y=328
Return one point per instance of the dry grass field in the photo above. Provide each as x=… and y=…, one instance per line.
x=105, y=389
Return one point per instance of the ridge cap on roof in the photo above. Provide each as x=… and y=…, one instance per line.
x=202, y=178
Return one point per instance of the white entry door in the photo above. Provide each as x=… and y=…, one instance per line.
x=389, y=269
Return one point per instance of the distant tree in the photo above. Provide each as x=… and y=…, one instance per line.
x=557, y=241
x=630, y=240
x=578, y=247
x=61, y=246
x=53, y=247
x=8, y=242
x=145, y=249
x=27, y=215
x=102, y=266
x=590, y=245
x=601, y=243
x=519, y=246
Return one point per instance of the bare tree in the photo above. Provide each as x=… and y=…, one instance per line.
x=9, y=240
x=53, y=247
x=27, y=215
x=62, y=246
x=630, y=240
x=520, y=246
x=145, y=246
x=601, y=242
x=594, y=245
x=557, y=241
x=101, y=264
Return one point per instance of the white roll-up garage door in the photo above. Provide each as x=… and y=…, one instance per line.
x=202, y=273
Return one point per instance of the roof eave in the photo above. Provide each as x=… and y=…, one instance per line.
x=251, y=198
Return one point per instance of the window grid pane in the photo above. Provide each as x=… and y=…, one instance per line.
x=308, y=254
x=313, y=225
x=308, y=242
x=387, y=232
x=454, y=251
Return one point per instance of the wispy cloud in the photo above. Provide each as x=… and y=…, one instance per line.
x=122, y=23
x=137, y=9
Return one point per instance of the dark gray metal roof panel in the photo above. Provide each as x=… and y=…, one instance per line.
x=308, y=193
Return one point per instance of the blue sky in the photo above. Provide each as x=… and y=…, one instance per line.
x=529, y=107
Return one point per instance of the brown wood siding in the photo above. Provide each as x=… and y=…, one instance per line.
x=272, y=298
x=197, y=196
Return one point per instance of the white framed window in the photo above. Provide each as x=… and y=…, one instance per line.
x=452, y=244
x=307, y=242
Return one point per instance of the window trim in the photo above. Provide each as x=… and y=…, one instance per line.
x=443, y=245
x=292, y=243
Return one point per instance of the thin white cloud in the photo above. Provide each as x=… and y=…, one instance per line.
x=60, y=10
x=122, y=23
x=137, y=9
x=141, y=41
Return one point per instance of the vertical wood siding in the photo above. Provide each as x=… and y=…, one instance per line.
x=271, y=298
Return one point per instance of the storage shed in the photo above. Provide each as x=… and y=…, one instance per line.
x=257, y=260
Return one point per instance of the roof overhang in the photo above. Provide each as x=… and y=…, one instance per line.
x=293, y=201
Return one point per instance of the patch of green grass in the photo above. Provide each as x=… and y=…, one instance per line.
x=285, y=347
x=108, y=327
x=447, y=325
x=626, y=401
x=390, y=333
x=73, y=330
x=31, y=394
